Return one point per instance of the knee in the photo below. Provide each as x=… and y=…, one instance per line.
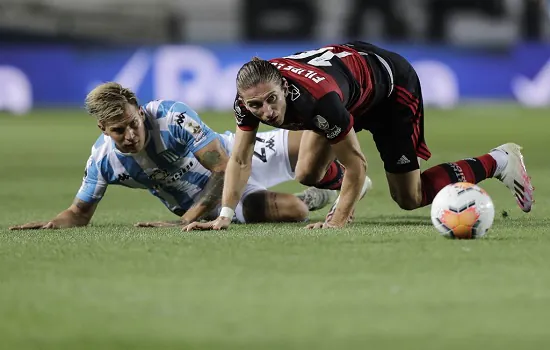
x=296, y=211
x=307, y=177
x=273, y=207
x=407, y=201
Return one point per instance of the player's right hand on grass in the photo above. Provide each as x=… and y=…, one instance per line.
x=34, y=226
x=221, y=223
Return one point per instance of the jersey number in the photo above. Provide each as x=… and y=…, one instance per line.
x=262, y=156
x=320, y=61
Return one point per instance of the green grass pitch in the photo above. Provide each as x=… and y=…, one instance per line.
x=388, y=281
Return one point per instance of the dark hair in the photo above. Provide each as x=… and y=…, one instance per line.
x=257, y=71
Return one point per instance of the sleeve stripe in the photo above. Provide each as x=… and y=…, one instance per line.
x=247, y=127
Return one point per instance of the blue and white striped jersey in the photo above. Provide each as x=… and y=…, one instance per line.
x=166, y=166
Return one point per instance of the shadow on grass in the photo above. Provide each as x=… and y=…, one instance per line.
x=392, y=220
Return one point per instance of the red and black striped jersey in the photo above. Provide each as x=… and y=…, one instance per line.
x=327, y=87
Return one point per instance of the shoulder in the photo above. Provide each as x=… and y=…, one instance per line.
x=312, y=79
x=98, y=161
x=172, y=115
x=101, y=148
x=159, y=109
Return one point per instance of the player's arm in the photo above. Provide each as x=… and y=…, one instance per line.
x=83, y=207
x=190, y=131
x=237, y=173
x=78, y=214
x=348, y=151
x=239, y=167
x=214, y=158
x=339, y=132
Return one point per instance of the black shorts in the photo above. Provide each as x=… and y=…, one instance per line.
x=395, y=121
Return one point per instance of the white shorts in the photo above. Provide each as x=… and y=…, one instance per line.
x=270, y=163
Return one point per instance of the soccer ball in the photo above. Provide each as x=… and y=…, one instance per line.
x=462, y=210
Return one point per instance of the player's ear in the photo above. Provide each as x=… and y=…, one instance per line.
x=101, y=127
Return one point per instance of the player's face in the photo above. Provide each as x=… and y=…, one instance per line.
x=128, y=132
x=267, y=101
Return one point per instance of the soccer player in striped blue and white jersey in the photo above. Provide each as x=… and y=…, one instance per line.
x=165, y=147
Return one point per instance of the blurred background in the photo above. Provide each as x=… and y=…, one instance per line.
x=53, y=51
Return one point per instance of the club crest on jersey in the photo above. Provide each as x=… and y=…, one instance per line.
x=321, y=122
x=166, y=178
x=294, y=92
x=159, y=175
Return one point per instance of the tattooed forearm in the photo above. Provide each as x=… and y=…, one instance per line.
x=212, y=193
x=215, y=160
x=209, y=198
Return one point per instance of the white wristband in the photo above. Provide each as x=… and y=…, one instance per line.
x=227, y=212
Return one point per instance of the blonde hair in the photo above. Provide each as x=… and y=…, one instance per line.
x=257, y=71
x=107, y=102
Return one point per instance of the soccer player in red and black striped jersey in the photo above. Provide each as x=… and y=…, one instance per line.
x=334, y=92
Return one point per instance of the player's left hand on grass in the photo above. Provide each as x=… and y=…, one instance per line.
x=221, y=223
x=43, y=225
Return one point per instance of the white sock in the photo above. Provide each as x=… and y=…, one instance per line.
x=501, y=158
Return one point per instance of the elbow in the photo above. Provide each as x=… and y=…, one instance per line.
x=242, y=163
x=357, y=166
x=363, y=165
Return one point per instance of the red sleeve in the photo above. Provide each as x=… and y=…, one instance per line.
x=245, y=120
x=332, y=118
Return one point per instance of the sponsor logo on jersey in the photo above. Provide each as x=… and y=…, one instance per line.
x=294, y=92
x=333, y=132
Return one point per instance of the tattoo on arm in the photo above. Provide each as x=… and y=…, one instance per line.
x=212, y=193
x=211, y=159
x=84, y=207
x=214, y=159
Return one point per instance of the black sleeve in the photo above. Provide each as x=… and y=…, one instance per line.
x=332, y=118
x=245, y=120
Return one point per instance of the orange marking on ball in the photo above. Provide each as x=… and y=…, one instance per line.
x=460, y=224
